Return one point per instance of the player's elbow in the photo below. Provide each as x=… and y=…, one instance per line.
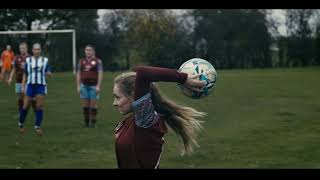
x=139, y=68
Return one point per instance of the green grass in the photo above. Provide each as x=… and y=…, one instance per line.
x=256, y=119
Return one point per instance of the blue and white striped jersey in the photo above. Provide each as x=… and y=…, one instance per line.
x=35, y=69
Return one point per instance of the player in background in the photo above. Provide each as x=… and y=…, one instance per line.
x=89, y=78
x=35, y=86
x=7, y=58
x=18, y=69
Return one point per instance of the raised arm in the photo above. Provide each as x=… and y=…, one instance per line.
x=147, y=74
x=145, y=115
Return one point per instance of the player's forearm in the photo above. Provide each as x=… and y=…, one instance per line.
x=147, y=74
x=12, y=73
x=100, y=74
x=24, y=80
x=154, y=74
x=78, y=79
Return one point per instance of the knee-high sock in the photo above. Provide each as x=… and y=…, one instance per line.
x=20, y=104
x=93, y=114
x=86, y=114
x=23, y=115
x=39, y=118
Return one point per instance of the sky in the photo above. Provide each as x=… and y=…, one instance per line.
x=279, y=15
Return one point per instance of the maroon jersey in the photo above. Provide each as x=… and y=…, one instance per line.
x=19, y=64
x=140, y=137
x=89, y=68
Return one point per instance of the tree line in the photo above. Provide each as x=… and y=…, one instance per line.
x=123, y=38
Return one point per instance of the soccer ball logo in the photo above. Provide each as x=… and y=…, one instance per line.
x=208, y=74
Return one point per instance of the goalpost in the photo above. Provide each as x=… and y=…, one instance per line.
x=52, y=31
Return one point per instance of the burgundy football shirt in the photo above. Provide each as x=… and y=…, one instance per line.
x=140, y=137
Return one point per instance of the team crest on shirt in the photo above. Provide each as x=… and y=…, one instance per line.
x=87, y=67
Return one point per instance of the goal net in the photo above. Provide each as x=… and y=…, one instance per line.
x=58, y=45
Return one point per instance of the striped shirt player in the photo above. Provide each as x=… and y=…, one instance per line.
x=36, y=68
x=140, y=137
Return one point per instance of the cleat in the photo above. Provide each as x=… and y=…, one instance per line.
x=39, y=131
x=22, y=130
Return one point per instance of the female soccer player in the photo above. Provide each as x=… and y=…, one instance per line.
x=89, y=78
x=35, y=86
x=140, y=137
x=18, y=69
x=7, y=58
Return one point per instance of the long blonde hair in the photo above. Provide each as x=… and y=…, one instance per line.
x=181, y=119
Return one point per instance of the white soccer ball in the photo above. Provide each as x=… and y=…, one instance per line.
x=208, y=74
